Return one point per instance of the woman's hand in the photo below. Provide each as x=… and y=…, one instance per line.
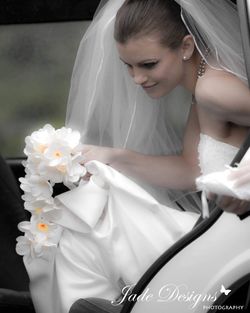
x=240, y=177
x=230, y=204
x=233, y=205
x=105, y=155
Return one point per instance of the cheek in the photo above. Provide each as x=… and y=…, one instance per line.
x=171, y=73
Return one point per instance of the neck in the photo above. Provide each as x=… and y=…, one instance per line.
x=191, y=68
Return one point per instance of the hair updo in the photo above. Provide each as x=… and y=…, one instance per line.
x=137, y=18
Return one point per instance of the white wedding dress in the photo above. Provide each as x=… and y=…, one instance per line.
x=214, y=155
x=113, y=230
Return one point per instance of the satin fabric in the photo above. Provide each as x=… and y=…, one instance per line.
x=218, y=181
x=113, y=230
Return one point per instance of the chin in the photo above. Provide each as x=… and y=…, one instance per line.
x=156, y=95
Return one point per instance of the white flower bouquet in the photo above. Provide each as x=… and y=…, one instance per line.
x=53, y=156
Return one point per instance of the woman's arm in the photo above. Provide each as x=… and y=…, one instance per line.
x=170, y=171
x=226, y=95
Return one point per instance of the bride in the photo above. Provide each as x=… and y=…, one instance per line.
x=139, y=65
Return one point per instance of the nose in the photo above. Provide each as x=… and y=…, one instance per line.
x=139, y=77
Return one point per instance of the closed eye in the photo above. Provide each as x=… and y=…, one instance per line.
x=149, y=65
x=146, y=65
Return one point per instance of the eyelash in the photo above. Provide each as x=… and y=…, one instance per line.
x=149, y=65
x=145, y=65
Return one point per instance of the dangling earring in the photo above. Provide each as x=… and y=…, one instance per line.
x=185, y=58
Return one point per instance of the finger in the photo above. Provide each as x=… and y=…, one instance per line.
x=234, y=207
x=238, y=207
x=229, y=204
x=224, y=201
x=87, y=148
x=211, y=196
x=243, y=208
x=242, y=180
x=87, y=176
x=82, y=160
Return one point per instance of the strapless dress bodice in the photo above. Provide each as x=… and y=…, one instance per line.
x=214, y=154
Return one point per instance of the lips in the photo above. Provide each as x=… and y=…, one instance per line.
x=149, y=86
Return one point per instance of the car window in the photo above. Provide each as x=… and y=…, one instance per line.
x=36, y=62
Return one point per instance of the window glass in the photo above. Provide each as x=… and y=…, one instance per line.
x=36, y=62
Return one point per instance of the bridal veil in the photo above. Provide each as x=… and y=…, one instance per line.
x=110, y=110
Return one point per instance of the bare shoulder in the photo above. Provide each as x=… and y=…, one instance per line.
x=223, y=92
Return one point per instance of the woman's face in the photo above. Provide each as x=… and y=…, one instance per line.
x=158, y=69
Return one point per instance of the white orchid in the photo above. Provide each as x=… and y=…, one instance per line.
x=23, y=246
x=59, y=165
x=75, y=170
x=39, y=141
x=68, y=137
x=53, y=156
x=36, y=187
x=39, y=226
x=43, y=208
x=39, y=236
x=37, y=207
x=33, y=246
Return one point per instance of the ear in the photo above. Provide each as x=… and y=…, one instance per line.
x=187, y=47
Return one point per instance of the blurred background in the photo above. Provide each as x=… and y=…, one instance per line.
x=36, y=62
x=38, y=44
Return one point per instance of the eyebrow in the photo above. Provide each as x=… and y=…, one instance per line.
x=143, y=62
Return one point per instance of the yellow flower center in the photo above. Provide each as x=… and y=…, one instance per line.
x=61, y=168
x=41, y=148
x=38, y=210
x=57, y=154
x=43, y=227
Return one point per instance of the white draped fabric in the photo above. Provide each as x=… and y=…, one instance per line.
x=113, y=230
